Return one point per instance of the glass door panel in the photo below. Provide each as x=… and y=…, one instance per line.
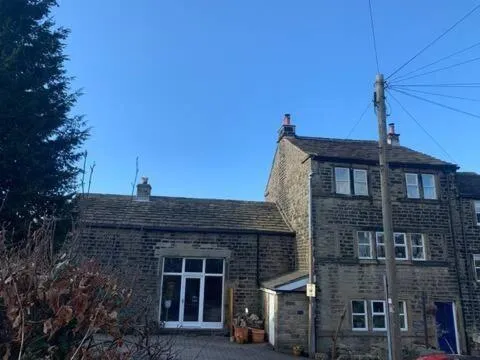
x=212, y=302
x=191, y=299
x=171, y=297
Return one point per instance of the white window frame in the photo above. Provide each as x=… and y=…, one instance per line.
x=404, y=245
x=383, y=314
x=364, y=314
x=377, y=244
x=476, y=266
x=476, y=205
x=348, y=181
x=409, y=184
x=357, y=182
x=434, y=187
x=370, y=243
x=422, y=238
x=402, y=312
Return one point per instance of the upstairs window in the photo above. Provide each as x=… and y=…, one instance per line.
x=378, y=315
x=401, y=245
x=476, y=266
x=343, y=183
x=364, y=245
x=477, y=211
x=359, y=315
x=420, y=186
x=418, y=247
x=342, y=180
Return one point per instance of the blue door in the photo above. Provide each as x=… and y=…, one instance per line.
x=446, y=327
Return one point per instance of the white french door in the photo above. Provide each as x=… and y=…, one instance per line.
x=192, y=293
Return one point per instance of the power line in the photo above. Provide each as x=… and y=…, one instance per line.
x=359, y=119
x=442, y=95
x=462, y=85
x=373, y=35
x=421, y=127
x=438, y=104
x=441, y=69
x=434, y=41
x=436, y=62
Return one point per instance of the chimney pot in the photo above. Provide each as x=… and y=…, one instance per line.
x=286, y=119
x=144, y=190
x=392, y=137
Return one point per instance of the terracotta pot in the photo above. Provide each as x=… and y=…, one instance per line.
x=241, y=334
x=258, y=335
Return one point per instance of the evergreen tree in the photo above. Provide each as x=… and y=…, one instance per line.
x=40, y=139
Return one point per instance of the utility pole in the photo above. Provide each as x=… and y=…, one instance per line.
x=311, y=275
x=392, y=302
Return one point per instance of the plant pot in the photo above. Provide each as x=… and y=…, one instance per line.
x=258, y=335
x=241, y=334
x=297, y=352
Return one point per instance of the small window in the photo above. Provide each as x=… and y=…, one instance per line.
x=359, y=315
x=378, y=315
x=418, y=247
x=428, y=182
x=214, y=266
x=477, y=211
x=193, y=265
x=172, y=265
x=400, y=241
x=380, y=245
x=476, y=266
x=402, y=315
x=413, y=190
x=360, y=185
x=364, y=244
x=342, y=180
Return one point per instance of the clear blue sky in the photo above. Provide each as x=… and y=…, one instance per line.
x=198, y=89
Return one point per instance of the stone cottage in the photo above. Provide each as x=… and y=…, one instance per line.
x=202, y=259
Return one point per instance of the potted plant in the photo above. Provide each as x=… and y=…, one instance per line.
x=297, y=350
x=240, y=329
x=255, y=325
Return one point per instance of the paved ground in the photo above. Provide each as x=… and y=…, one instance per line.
x=220, y=348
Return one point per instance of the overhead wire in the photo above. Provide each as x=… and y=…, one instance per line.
x=436, y=62
x=373, y=35
x=421, y=127
x=437, y=70
x=461, y=85
x=438, y=104
x=434, y=41
x=358, y=120
x=442, y=95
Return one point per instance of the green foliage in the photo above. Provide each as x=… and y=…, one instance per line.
x=39, y=138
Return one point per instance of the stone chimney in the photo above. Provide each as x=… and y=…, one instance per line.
x=144, y=190
x=392, y=137
x=287, y=128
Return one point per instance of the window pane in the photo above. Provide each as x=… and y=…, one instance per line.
x=212, y=304
x=364, y=251
x=193, y=265
x=342, y=174
x=429, y=193
x=476, y=265
x=343, y=188
x=378, y=321
x=192, y=299
x=360, y=175
x=361, y=188
x=399, y=239
x=413, y=192
x=418, y=250
x=402, y=315
x=172, y=265
x=477, y=211
x=377, y=307
x=380, y=246
x=412, y=179
x=358, y=307
x=428, y=180
x=417, y=240
x=359, y=322
x=171, y=297
x=214, y=266
x=360, y=182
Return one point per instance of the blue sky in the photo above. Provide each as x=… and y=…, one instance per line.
x=197, y=89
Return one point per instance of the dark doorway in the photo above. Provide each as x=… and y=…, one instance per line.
x=446, y=327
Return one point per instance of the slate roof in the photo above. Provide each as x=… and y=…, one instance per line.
x=285, y=279
x=361, y=150
x=469, y=184
x=177, y=213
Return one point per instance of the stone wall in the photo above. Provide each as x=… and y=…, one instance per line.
x=136, y=254
x=292, y=321
x=342, y=277
x=288, y=187
x=470, y=286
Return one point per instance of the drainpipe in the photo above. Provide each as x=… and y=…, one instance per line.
x=311, y=273
x=258, y=260
x=457, y=270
